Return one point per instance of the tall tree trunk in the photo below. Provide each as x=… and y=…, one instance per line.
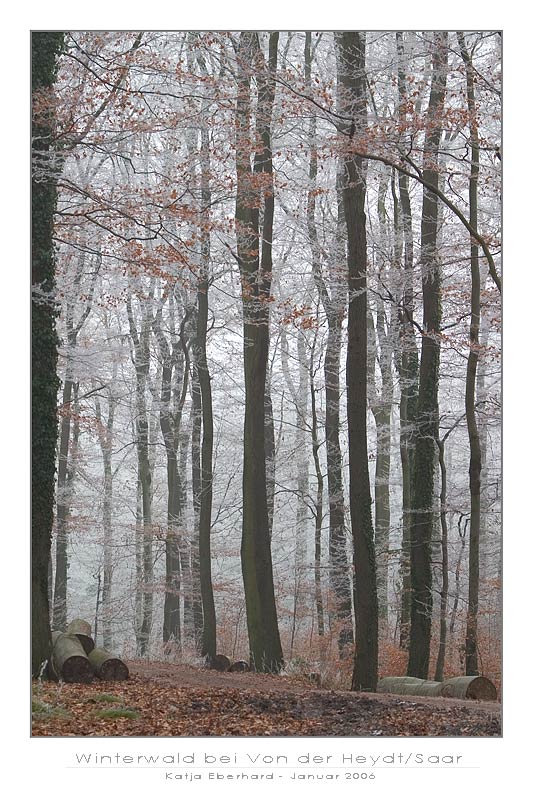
x=184, y=542
x=318, y=507
x=175, y=370
x=45, y=49
x=299, y=395
x=471, y=665
x=139, y=577
x=141, y=342
x=427, y=414
x=209, y=633
x=206, y=497
x=256, y=273
x=106, y=445
x=334, y=304
x=196, y=474
x=382, y=418
x=59, y=615
x=270, y=454
x=381, y=406
x=408, y=368
x=352, y=79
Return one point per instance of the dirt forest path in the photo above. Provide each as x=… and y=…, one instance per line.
x=163, y=699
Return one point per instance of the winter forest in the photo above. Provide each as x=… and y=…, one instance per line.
x=266, y=349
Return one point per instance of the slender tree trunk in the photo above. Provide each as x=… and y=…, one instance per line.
x=381, y=405
x=443, y=616
x=334, y=304
x=139, y=577
x=270, y=454
x=209, y=633
x=299, y=396
x=45, y=49
x=382, y=417
x=458, y=570
x=408, y=369
x=106, y=446
x=141, y=343
x=427, y=415
x=107, y=588
x=256, y=273
x=481, y=398
x=206, y=497
x=184, y=540
x=196, y=473
x=352, y=78
x=319, y=513
x=59, y=616
x=471, y=665
x=175, y=369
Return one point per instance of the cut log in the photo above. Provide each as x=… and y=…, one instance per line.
x=69, y=661
x=239, y=666
x=411, y=686
x=219, y=662
x=82, y=629
x=107, y=666
x=469, y=687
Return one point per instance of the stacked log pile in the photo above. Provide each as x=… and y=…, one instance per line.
x=463, y=687
x=222, y=664
x=75, y=659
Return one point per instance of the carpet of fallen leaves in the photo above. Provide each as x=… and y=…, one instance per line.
x=169, y=700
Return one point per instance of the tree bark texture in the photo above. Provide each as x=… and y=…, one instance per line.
x=209, y=641
x=141, y=342
x=352, y=79
x=45, y=49
x=471, y=664
x=408, y=366
x=254, y=253
x=427, y=413
x=333, y=300
x=444, y=591
x=381, y=405
x=174, y=374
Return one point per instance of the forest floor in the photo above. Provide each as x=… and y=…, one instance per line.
x=162, y=699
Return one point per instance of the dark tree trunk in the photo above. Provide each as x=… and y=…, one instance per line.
x=471, y=665
x=45, y=47
x=443, y=617
x=176, y=368
x=334, y=304
x=207, y=609
x=256, y=272
x=427, y=414
x=141, y=342
x=352, y=79
x=381, y=405
x=206, y=497
x=270, y=454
